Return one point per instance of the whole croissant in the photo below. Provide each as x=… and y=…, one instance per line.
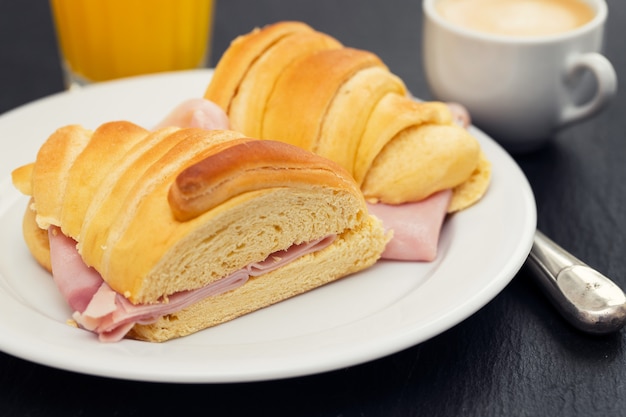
x=291, y=83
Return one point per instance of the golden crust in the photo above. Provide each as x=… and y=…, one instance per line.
x=237, y=59
x=392, y=115
x=21, y=178
x=345, y=121
x=472, y=190
x=60, y=150
x=107, y=146
x=36, y=238
x=305, y=90
x=250, y=165
x=397, y=174
x=248, y=104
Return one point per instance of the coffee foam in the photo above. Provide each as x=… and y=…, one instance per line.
x=516, y=17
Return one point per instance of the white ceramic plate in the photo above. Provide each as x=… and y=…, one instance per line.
x=390, y=307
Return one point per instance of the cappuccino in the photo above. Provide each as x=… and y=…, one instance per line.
x=516, y=17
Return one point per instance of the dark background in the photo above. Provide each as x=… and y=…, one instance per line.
x=516, y=356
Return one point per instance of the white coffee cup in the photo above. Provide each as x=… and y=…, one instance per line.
x=519, y=89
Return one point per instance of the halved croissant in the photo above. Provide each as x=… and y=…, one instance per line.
x=165, y=212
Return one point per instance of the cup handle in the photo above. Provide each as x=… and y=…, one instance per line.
x=606, y=82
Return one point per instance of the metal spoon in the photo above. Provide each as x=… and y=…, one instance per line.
x=587, y=299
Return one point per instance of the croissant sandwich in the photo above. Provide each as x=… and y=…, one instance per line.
x=291, y=83
x=158, y=234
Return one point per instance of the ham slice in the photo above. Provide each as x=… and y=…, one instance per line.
x=198, y=113
x=100, y=309
x=416, y=226
x=111, y=316
x=460, y=115
x=77, y=282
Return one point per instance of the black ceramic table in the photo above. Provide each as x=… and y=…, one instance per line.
x=516, y=356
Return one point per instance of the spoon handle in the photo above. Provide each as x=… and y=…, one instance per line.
x=587, y=299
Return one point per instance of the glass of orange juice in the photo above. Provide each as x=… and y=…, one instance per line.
x=101, y=40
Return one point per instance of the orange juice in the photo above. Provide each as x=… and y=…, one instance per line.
x=106, y=39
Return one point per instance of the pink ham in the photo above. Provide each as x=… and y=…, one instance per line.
x=416, y=226
x=460, y=115
x=103, y=311
x=77, y=282
x=198, y=113
x=111, y=316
